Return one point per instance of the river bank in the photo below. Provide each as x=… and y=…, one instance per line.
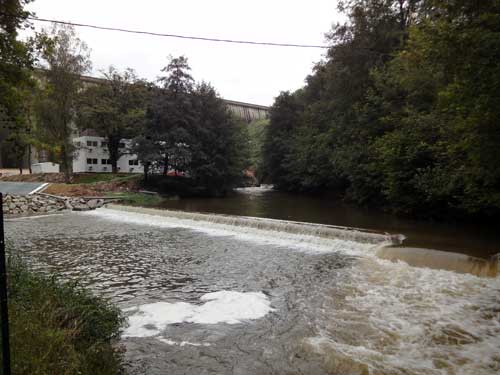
x=46, y=203
x=57, y=327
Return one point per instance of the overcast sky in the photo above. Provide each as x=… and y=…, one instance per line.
x=254, y=74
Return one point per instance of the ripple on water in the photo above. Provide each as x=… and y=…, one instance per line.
x=340, y=310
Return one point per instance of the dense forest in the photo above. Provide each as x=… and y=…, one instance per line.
x=403, y=113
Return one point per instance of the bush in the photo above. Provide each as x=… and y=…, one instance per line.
x=59, y=328
x=176, y=185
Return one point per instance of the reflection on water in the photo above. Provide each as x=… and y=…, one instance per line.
x=477, y=240
x=335, y=307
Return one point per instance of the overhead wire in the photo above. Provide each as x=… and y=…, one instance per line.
x=191, y=37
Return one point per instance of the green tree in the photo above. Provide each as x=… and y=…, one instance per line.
x=403, y=112
x=442, y=152
x=147, y=152
x=219, y=148
x=171, y=111
x=65, y=59
x=192, y=132
x=16, y=63
x=326, y=147
x=115, y=109
x=256, y=138
x=285, y=116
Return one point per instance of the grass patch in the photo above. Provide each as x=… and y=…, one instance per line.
x=92, y=178
x=138, y=199
x=59, y=328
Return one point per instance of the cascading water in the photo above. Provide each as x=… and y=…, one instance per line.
x=197, y=220
x=238, y=295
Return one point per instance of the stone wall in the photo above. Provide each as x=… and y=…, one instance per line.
x=44, y=203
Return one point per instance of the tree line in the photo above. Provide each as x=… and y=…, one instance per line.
x=175, y=123
x=403, y=113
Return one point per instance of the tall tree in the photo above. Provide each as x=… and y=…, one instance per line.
x=442, y=149
x=219, y=147
x=115, y=109
x=192, y=132
x=171, y=111
x=403, y=112
x=256, y=137
x=277, y=149
x=65, y=58
x=16, y=63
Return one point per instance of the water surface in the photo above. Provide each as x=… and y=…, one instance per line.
x=335, y=308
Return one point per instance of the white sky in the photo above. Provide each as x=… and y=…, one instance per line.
x=254, y=74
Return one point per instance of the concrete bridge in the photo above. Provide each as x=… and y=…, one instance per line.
x=246, y=111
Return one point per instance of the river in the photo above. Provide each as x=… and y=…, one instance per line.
x=216, y=294
x=478, y=240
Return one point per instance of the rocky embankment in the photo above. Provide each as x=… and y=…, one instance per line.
x=44, y=203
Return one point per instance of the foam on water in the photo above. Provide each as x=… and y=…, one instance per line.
x=228, y=307
x=255, y=189
x=182, y=343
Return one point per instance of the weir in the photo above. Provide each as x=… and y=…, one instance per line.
x=273, y=225
x=386, y=244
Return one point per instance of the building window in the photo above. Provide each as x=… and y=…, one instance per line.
x=104, y=144
x=91, y=161
x=133, y=162
x=77, y=144
x=94, y=143
x=89, y=143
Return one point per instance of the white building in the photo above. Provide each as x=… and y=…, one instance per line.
x=92, y=155
x=47, y=167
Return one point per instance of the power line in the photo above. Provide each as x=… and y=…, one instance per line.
x=179, y=36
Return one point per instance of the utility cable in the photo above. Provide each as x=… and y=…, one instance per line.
x=206, y=39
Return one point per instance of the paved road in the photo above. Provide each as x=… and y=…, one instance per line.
x=19, y=188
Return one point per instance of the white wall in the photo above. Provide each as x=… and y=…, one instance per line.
x=47, y=167
x=97, y=152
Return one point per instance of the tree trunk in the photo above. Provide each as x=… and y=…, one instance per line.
x=114, y=152
x=146, y=170
x=165, y=165
x=29, y=159
x=65, y=164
